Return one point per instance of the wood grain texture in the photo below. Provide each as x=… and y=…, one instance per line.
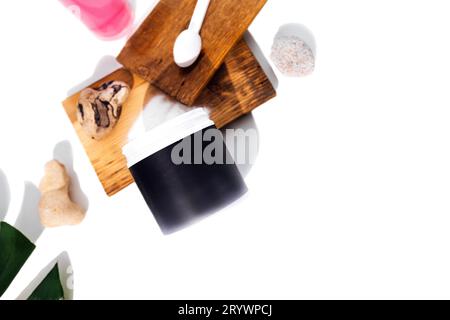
x=106, y=155
x=149, y=52
x=239, y=86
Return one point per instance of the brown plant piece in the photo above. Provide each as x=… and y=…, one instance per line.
x=99, y=109
x=55, y=207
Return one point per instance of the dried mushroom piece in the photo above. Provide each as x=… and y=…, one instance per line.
x=99, y=109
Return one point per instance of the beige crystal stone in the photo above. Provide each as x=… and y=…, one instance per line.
x=55, y=207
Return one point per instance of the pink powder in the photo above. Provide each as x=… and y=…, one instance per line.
x=292, y=56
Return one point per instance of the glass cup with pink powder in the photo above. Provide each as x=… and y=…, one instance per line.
x=108, y=19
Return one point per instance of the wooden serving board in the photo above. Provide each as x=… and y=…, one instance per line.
x=237, y=88
x=149, y=52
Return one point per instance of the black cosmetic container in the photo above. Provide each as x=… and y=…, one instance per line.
x=184, y=170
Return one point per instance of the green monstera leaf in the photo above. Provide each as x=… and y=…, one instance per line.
x=15, y=249
x=50, y=288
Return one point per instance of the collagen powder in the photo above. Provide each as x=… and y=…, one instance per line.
x=292, y=56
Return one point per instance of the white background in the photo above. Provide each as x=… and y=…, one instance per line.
x=349, y=197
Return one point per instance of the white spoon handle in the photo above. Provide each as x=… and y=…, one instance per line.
x=199, y=15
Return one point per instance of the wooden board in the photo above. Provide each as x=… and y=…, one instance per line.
x=238, y=87
x=149, y=52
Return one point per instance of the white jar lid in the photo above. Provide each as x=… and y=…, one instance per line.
x=166, y=134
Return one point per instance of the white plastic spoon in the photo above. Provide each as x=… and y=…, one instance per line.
x=189, y=43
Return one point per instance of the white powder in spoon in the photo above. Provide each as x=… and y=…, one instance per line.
x=292, y=56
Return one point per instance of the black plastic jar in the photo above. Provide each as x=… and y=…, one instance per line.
x=184, y=170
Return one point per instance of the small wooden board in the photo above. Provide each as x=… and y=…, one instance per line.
x=238, y=87
x=149, y=52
